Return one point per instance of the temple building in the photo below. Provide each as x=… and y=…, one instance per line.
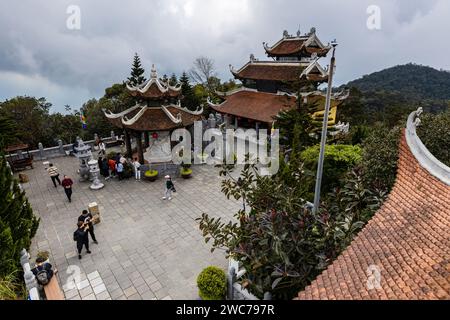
x=269, y=87
x=156, y=114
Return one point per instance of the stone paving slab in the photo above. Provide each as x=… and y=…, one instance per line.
x=148, y=248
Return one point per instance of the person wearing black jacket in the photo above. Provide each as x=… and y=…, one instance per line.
x=81, y=237
x=41, y=267
x=86, y=218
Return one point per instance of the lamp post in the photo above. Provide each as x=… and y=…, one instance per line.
x=324, y=132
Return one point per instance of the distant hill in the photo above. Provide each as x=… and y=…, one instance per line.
x=415, y=82
x=389, y=95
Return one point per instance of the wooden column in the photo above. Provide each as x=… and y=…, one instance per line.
x=128, y=144
x=140, y=151
x=146, y=139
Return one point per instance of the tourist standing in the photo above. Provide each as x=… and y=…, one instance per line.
x=67, y=185
x=137, y=169
x=86, y=218
x=81, y=237
x=54, y=174
x=104, y=169
x=102, y=148
x=119, y=170
x=169, y=188
x=112, y=167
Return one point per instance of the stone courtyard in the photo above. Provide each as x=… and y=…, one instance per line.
x=148, y=248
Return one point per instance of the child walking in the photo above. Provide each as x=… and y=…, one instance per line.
x=169, y=188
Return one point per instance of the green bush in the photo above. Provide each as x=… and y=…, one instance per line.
x=380, y=155
x=338, y=160
x=434, y=131
x=212, y=283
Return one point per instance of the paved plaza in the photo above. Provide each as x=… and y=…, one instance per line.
x=148, y=248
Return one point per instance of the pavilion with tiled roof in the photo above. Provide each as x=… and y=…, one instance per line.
x=297, y=46
x=404, y=250
x=158, y=110
x=269, y=87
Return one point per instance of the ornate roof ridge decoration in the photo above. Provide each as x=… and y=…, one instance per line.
x=341, y=95
x=311, y=66
x=425, y=158
x=174, y=119
x=111, y=115
x=284, y=93
x=162, y=86
x=229, y=93
x=307, y=39
x=213, y=104
x=129, y=122
x=178, y=106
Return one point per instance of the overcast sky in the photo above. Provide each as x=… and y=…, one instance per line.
x=40, y=56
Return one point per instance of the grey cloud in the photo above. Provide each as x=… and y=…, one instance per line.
x=36, y=44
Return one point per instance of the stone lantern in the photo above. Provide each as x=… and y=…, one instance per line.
x=94, y=170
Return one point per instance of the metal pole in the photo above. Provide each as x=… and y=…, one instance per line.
x=324, y=134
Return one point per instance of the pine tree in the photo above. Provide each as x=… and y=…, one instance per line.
x=173, y=81
x=137, y=72
x=189, y=100
x=18, y=224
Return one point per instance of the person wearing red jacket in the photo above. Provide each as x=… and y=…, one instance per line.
x=67, y=185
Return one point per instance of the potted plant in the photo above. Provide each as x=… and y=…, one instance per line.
x=212, y=284
x=186, y=170
x=202, y=157
x=151, y=175
x=45, y=255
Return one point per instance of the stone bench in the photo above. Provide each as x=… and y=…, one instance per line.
x=52, y=290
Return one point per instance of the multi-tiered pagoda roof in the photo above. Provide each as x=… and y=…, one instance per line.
x=159, y=108
x=271, y=86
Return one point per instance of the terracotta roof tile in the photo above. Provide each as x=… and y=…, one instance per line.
x=259, y=106
x=408, y=240
x=277, y=71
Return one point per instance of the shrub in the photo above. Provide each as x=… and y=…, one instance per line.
x=380, y=155
x=338, y=160
x=212, y=283
x=11, y=287
x=434, y=131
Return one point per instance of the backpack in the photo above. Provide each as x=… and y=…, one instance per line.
x=75, y=236
x=42, y=277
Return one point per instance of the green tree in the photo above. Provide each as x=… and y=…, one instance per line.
x=18, y=224
x=380, y=156
x=8, y=131
x=173, y=81
x=189, y=99
x=30, y=115
x=434, y=131
x=137, y=72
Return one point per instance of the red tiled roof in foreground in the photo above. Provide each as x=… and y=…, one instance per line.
x=408, y=239
x=258, y=106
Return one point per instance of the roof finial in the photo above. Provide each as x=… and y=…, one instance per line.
x=252, y=57
x=285, y=34
x=298, y=31
x=154, y=75
x=313, y=30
